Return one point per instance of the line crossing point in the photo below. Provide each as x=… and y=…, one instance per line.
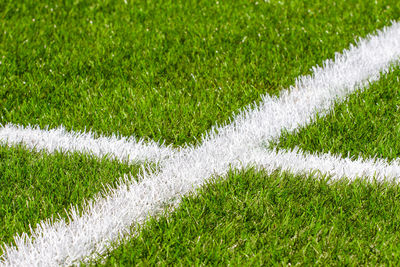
x=236, y=145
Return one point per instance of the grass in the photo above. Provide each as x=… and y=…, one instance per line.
x=164, y=70
x=252, y=218
x=35, y=186
x=366, y=125
x=168, y=70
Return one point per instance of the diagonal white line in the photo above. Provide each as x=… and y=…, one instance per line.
x=237, y=145
x=120, y=148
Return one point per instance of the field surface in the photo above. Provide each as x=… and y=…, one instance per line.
x=159, y=132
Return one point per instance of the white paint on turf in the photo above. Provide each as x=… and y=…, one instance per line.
x=120, y=148
x=237, y=145
x=335, y=166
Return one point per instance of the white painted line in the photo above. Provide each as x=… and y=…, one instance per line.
x=235, y=145
x=120, y=148
x=335, y=166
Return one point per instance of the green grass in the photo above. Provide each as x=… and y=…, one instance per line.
x=366, y=125
x=165, y=70
x=35, y=186
x=168, y=70
x=254, y=219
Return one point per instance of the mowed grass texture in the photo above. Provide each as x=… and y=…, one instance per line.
x=36, y=186
x=168, y=71
x=252, y=218
x=255, y=219
x=164, y=70
x=366, y=125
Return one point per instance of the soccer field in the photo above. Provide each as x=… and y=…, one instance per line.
x=199, y=132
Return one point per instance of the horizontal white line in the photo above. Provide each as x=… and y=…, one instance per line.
x=335, y=166
x=120, y=148
x=235, y=145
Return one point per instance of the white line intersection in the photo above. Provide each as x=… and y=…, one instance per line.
x=237, y=145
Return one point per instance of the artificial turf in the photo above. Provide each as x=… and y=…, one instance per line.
x=366, y=125
x=253, y=219
x=168, y=70
x=35, y=186
x=164, y=70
